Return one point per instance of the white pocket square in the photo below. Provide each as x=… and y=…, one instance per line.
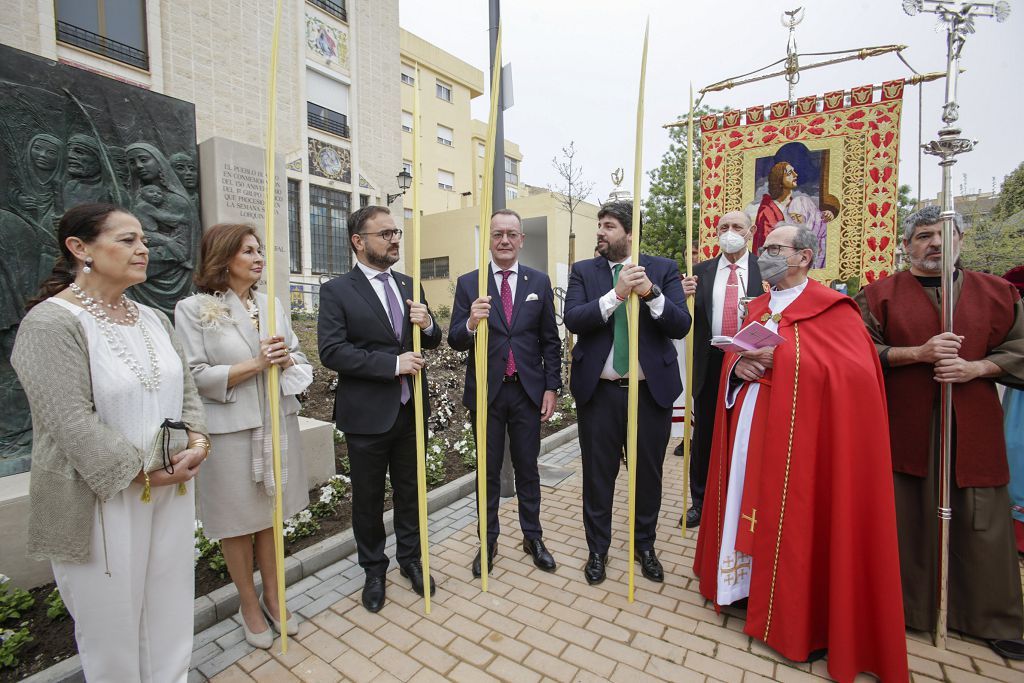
x=531, y=297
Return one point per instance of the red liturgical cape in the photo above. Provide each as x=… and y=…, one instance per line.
x=825, y=571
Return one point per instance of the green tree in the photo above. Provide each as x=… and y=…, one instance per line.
x=905, y=205
x=1011, y=195
x=664, y=231
x=993, y=246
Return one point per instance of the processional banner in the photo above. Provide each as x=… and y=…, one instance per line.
x=827, y=163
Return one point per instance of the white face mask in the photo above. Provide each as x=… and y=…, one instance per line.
x=730, y=242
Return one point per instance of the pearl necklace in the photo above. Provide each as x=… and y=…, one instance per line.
x=93, y=306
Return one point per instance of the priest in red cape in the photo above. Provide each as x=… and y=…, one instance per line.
x=799, y=518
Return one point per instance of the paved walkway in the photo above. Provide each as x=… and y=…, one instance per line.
x=533, y=626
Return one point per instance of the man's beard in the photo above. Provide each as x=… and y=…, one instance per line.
x=381, y=260
x=613, y=252
x=933, y=263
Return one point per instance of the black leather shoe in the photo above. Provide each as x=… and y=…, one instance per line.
x=693, y=517
x=1010, y=649
x=542, y=559
x=492, y=552
x=414, y=572
x=594, y=571
x=678, y=450
x=650, y=566
x=373, y=593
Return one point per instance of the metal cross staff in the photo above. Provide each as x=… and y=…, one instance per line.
x=959, y=22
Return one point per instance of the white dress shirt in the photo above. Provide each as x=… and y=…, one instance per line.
x=378, y=288
x=718, y=293
x=608, y=303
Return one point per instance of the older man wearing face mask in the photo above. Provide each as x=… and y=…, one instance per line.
x=799, y=523
x=985, y=347
x=718, y=284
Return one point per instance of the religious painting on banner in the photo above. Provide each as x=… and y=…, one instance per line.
x=829, y=165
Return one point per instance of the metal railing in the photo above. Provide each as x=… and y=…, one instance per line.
x=335, y=8
x=327, y=120
x=101, y=45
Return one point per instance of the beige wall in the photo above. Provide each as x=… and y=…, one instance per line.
x=454, y=234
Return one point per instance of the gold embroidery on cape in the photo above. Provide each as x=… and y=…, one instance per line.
x=752, y=518
x=735, y=568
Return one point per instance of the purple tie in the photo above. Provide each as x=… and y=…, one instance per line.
x=506, y=304
x=395, y=313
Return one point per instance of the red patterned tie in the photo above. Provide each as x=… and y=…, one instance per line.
x=731, y=314
x=506, y=303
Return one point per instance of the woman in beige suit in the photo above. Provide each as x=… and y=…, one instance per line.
x=223, y=330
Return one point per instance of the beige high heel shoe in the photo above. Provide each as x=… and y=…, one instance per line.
x=292, y=625
x=263, y=640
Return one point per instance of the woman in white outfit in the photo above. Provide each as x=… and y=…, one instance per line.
x=102, y=373
x=224, y=333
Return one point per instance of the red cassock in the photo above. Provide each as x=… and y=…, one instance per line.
x=825, y=568
x=768, y=214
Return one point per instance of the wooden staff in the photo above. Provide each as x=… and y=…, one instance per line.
x=417, y=385
x=480, y=348
x=688, y=356
x=273, y=374
x=634, y=317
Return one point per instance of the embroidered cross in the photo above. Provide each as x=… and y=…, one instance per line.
x=752, y=518
x=735, y=568
x=768, y=316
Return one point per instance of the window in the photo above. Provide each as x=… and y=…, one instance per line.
x=328, y=230
x=333, y=7
x=294, y=228
x=444, y=135
x=434, y=268
x=407, y=121
x=327, y=104
x=445, y=180
x=408, y=214
x=364, y=201
x=408, y=74
x=511, y=193
x=481, y=151
x=407, y=166
x=444, y=91
x=112, y=28
x=511, y=171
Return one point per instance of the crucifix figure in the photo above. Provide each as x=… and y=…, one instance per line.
x=752, y=518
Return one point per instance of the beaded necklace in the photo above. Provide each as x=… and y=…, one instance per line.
x=95, y=307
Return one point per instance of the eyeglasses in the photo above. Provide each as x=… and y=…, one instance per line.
x=386, y=235
x=511, y=235
x=773, y=249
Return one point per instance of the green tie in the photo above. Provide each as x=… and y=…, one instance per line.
x=620, y=348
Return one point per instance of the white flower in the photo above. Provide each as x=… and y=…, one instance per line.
x=213, y=311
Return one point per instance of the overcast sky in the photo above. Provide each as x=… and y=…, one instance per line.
x=576, y=66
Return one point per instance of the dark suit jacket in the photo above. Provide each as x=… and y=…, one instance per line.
x=356, y=339
x=588, y=282
x=706, y=271
x=532, y=336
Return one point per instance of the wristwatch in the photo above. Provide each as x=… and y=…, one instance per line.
x=653, y=293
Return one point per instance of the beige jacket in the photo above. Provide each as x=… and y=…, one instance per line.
x=76, y=458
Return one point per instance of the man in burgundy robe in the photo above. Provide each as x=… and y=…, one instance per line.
x=986, y=346
x=798, y=515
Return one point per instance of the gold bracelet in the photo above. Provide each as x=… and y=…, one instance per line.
x=203, y=443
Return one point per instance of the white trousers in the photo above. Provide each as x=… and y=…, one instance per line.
x=132, y=604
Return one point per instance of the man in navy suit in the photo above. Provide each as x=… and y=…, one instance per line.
x=364, y=333
x=723, y=281
x=595, y=310
x=523, y=374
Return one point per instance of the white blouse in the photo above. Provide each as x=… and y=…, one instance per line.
x=118, y=395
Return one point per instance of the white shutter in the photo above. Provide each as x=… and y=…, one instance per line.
x=326, y=92
x=445, y=179
x=444, y=135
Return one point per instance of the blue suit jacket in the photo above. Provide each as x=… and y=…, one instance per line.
x=532, y=335
x=588, y=282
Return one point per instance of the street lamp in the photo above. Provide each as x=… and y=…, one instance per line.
x=958, y=19
x=404, y=179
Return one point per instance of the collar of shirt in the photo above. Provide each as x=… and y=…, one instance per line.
x=723, y=263
x=370, y=272
x=625, y=262
x=496, y=269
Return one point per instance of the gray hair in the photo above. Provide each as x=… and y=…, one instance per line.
x=929, y=215
x=803, y=238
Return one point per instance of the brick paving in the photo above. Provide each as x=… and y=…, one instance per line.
x=533, y=626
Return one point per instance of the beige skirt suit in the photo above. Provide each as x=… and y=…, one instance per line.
x=235, y=484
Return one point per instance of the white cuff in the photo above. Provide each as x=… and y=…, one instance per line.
x=657, y=306
x=608, y=303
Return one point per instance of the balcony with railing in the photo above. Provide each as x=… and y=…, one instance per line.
x=327, y=120
x=101, y=45
x=333, y=7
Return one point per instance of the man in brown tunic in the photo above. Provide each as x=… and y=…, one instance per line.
x=903, y=317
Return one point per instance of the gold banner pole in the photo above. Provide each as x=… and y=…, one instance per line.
x=480, y=348
x=688, y=356
x=634, y=318
x=273, y=374
x=417, y=347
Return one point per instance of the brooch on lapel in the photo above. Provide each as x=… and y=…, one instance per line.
x=213, y=311
x=777, y=318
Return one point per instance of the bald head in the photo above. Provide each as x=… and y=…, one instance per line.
x=733, y=220
x=733, y=234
